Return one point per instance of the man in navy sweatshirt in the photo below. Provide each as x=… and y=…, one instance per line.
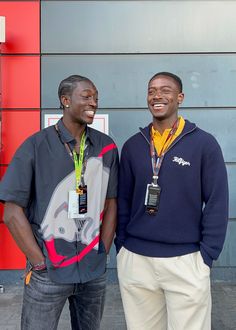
x=172, y=216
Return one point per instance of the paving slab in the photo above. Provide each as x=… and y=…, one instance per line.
x=223, y=311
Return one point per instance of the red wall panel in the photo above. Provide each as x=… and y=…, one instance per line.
x=3, y=169
x=16, y=127
x=2, y=172
x=10, y=255
x=20, y=81
x=1, y=213
x=22, y=26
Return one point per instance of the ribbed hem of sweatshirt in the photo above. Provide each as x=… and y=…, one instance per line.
x=159, y=250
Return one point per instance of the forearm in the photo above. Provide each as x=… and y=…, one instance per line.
x=213, y=236
x=109, y=223
x=215, y=214
x=21, y=231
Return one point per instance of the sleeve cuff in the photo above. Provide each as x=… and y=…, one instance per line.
x=206, y=258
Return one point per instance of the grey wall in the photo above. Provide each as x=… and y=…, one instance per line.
x=121, y=44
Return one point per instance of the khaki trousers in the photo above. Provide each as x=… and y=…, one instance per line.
x=165, y=293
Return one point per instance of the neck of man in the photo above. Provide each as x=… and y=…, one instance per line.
x=161, y=125
x=76, y=129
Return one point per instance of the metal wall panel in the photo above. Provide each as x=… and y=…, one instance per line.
x=122, y=79
x=231, y=170
x=227, y=257
x=138, y=26
x=220, y=123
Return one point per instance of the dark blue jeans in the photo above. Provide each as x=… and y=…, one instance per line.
x=44, y=300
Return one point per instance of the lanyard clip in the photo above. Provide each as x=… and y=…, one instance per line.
x=155, y=178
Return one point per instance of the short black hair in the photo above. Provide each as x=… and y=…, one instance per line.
x=171, y=75
x=68, y=84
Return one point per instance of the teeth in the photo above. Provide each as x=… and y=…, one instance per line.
x=90, y=113
x=159, y=105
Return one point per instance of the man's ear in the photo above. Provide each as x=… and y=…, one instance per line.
x=180, y=98
x=65, y=100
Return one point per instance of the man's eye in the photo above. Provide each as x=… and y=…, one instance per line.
x=89, y=98
x=166, y=91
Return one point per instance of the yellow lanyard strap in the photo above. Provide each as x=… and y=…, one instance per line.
x=79, y=162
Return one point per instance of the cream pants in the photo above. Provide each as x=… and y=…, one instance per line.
x=165, y=293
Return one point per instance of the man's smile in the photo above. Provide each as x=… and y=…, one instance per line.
x=90, y=113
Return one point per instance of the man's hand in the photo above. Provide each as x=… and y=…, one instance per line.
x=109, y=223
x=19, y=226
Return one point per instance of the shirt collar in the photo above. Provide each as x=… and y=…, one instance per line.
x=66, y=136
x=155, y=133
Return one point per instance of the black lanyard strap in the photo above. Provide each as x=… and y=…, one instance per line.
x=157, y=159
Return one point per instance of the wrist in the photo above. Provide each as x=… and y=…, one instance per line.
x=39, y=266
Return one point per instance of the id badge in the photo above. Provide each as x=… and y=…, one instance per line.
x=77, y=205
x=73, y=207
x=82, y=200
x=152, y=198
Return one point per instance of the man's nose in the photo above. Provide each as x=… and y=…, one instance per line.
x=158, y=94
x=93, y=102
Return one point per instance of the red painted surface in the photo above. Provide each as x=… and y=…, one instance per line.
x=2, y=171
x=1, y=213
x=20, y=81
x=10, y=255
x=22, y=26
x=16, y=127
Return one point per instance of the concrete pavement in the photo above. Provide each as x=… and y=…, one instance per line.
x=223, y=313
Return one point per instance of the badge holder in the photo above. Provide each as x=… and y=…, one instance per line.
x=152, y=198
x=82, y=199
x=78, y=203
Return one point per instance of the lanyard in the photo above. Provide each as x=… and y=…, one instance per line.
x=79, y=161
x=157, y=160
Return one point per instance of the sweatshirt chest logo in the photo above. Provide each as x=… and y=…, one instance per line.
x=181, y=161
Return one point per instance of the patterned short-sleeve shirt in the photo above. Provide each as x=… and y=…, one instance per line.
x=39, y=179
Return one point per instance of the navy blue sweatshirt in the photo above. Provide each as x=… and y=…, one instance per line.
x=193, y=209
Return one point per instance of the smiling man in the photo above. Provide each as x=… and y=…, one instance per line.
x=172, y=216
x=60, y=206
